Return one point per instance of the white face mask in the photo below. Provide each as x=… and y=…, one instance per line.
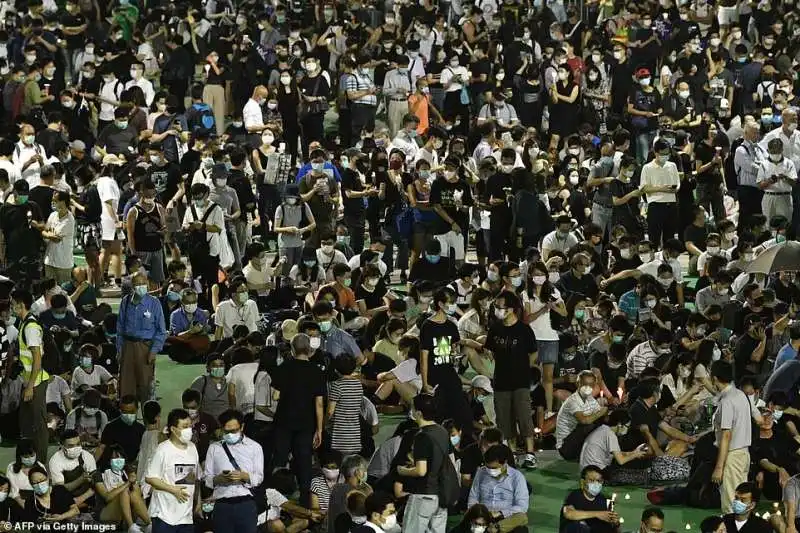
x=186, y=435
x=315, y=342
x=585, y=391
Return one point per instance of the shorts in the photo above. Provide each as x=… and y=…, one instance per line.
x=90, y=236
x=513, y=411
x=109, y=231
x=547, y=352
x=154, y=263
x=727, y=16
x=453, y=240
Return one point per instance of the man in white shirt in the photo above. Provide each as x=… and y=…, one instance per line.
x=577, y=416
x=660, y=181
x=381, y=514
x=72, y=458
x=776, y=177
x=109, y=97
x=327, y=255
x=29, y=156
x=237, y=311
x=109, y=193
x=252, y=114
x=138, y=80
x=174, y=473
x=405, y=140
x=559, y=240
x=7, y=149
x=59, y=232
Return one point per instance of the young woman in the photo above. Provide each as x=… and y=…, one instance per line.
x=389, y=338
x=288, y=99
x=472, y=327
x=371, y=291
x=293, y=219
x=119, y=497
x=540, y=299
x=565, y=107
x=418, y=193
x=50, y=503
x=17, y=473
x=404, y=378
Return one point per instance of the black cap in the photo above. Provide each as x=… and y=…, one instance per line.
x=219, y=170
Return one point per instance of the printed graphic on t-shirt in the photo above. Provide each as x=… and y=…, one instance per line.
x=185, y=474
x=442, y=350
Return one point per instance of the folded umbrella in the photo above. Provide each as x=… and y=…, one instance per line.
x=780, y=258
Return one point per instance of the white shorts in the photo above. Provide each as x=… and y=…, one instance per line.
x=727, y=16
x=109, y=230
x=453, y=240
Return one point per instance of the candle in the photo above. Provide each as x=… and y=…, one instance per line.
x=602, y=393
x=621, y=520
x=614, y=497
x=627, y=496
x=537, y=430
x=688, y=526
x=619, y=392
x=775, y=505
x=765, y=516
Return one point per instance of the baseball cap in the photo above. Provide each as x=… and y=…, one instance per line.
x=482, y=382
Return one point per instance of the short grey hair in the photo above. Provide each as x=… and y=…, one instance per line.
x=301, y=344
x=352, y=464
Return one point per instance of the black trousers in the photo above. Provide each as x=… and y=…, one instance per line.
x=749, y=201
x=362, y=118
x=661, y=222
x=355, y=226
x=300, y=444
x=313, y=130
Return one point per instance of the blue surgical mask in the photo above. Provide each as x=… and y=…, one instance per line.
x=309, y=264
x=41, y=488
x=173, y=296
x=738, y=507
x=217, y=372
x=128, y=418
x=208, y=507
x=777, y=414
x=455, y=439
x=325, y=326
x=232, y=438
x=59, y=316
x=29, y=461
x=140, y=290
x=117, y=464
x=433, y=258
x=594, y=488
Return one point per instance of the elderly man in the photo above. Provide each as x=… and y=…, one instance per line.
x=747, y=161
x=777, y=177
x=502, y=489
x=790, y=137
x=578, y=416
x=141, y=333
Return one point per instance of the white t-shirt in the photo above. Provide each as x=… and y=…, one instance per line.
x=326, y=262
x=252, y=114
x=13, y=172
x=175, y=466
x=215, y=218
x=59, y=253
x=566, y=422
x=98, y=376
x=59, y=463
x=263, y=395
x=256, y=277
x=542, y=327
x=230, y=315
x=599, y=447
x=108, y=190
x=56, y=390
x=242, y=376
x=18, y=481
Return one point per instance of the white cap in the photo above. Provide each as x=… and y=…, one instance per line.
x=482, y=382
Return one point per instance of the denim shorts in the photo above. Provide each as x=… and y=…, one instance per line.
x=548, y=352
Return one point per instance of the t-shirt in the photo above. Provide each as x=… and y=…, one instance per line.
x=447, y=194
x=438, y=339
x=353, y=181
x=175, y=466
x=511, y=346
x=642, y=415
x=300, y=382
x=56, y=390
x=578, y=501
x=127, y=436
x=566, y=421
x=599, y=447
x=60, y=502
x=96, y=377
x=430, y=444
x=213, y=395
x=242, y=377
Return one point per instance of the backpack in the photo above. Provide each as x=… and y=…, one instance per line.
x=98, y=418
x=201, y=119
x=51, y=355
x=449, y=490
x=198, y=239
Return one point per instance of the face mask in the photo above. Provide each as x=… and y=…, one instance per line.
x=74, y=452
x=651, y=303
x=237, y=123
x=141, y=290
x=574, y=179
x=738, y=507
x=232, y=438
x=618, y=54
x=777, y=414
x=478, y=529
x=41, y=488
x=455, y=439
x=208, y=507
x=553, y=277
x=327, y=249
x=594, y=488
x=117, y=464
x=29, y=139
x=491, y=275
x=494, y=472
x=580, y=314
x=291, y=201
x=325, y=326
x=86, y=362
x=432, y=258
x=390, y=522
x=217, y=371
x=29, y=461
x=500, y=314
x=665, y=282
x=331, y=474
x=775, y=158
x=516, y=281
x=317, y=166
x=538, y=280
x=451, y=309
x=242, y=297
x=90, y=411
x=644, y=82
x=309, y=264
x=316, y=342
x=585, y=391
x=185, y=436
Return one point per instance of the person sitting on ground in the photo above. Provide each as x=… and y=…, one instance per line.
x=601, y=448
x=578, y=417
x=647, y=424
x=88, y=419
x=585, y=509
x=321, y=485
x=119, y=497
x=509, y=511
x=51, y=502
x=72, y=467
x=742, y=517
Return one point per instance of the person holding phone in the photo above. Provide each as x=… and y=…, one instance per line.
x=776, y=176
x=659, y=182
x=708, y=172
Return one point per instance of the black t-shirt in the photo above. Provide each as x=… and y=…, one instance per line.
x=372, y=299
x=641, y=415
x=645, y=101
x=444, y=193
x=696, y=235
x=494, y=188
x=703, y=154
x=60, y=502
x=73, y=21
x=167, y=179
x=351, y=181
x=127, y=436
x=42, y=195
x=90, y=199
x=431, y=444
x=438, y=273
x=439, y=340
x=578, y=501
x=381, y=363
x=21, y=239
x=300, y=383
x=610, y=375
x=511, y=346
x=745, y=346
x=316, y=86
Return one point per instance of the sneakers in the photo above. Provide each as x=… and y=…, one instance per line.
x=529, y=462
x=135, y=528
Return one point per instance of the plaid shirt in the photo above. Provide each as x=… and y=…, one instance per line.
x=361, y=81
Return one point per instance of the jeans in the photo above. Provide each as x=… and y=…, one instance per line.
x=159, y=526
x=423, y=514
x=644, y=142
x=355, y=227
x=239, y=517
x=601, y=215
x=709, y=196
x=402, y=248
x=299, y=443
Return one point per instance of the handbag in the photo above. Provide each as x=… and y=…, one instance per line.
x=312, y=108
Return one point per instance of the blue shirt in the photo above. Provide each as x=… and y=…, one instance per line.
x=787, y=353
x=179, y=321
x=143, y=320
x=507, y=494
x=305, y=169
x=338, y=341
x=629, y=304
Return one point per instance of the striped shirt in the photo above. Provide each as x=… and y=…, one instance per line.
x=346, y=433
x=321, y=489
x=640, y=358
x=361, y=81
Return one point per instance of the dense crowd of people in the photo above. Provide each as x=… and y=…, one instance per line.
x=519, y=225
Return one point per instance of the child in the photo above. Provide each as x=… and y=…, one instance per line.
x=321, y=485
x=344, y=406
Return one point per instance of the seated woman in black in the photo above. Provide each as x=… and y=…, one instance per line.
x=49, y=503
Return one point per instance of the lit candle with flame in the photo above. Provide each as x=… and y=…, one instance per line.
x=619, y=392
x=688, y=526
x=627, y=496
x=765, y=516
x=614, y=497
x=621, y=520
x=537, y=430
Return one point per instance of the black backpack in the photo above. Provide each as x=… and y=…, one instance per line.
x=200, y=119
x=449, y=490
x=731, y=179
x=198, y=239
x=51, y=355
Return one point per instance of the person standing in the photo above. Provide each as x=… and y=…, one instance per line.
x=746, y=162
x=146, y=224
x=173, y=474
x=301, y=388
x=397, y=88
x=422, y=475
x=59, y=232
x=234, y=468
x=660, y=181
x=141, y=333
x=33, y=409
x=776, y=177
x=732, y=421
